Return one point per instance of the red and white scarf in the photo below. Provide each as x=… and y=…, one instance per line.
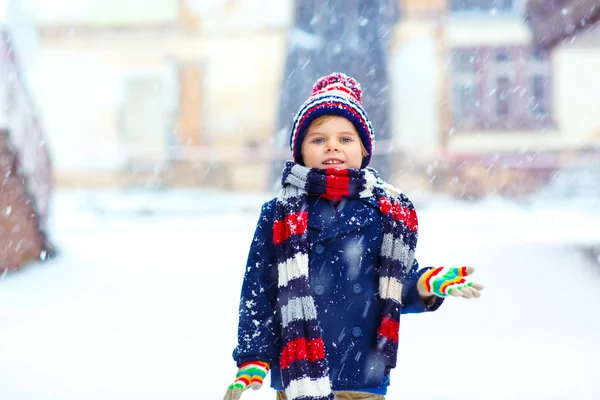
x=303, y=360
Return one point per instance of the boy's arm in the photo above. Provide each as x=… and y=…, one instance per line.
x=425, y=289
x=412, y=301
x=257, y=329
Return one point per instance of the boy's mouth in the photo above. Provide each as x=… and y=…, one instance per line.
x=332, y=161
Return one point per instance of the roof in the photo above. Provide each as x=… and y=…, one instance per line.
x=553, y=21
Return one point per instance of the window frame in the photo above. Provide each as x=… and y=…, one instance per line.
x=521, y=70
x=515, y=8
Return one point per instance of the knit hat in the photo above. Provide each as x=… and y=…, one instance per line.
x=334, y=94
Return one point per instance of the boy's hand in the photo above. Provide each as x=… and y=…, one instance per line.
x=444, y=282
x=250, y=374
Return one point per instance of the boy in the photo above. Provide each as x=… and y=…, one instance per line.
x=332, y=266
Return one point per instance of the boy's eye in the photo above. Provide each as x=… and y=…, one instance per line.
x=318, y=140
x=346, y=139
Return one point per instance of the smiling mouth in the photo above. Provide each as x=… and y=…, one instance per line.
x=332, y=162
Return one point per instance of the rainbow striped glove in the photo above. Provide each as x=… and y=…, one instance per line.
x=444, y=282
x=250, y=374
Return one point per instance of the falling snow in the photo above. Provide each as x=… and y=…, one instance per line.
x=163, y=341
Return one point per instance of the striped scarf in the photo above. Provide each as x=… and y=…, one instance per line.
x=303, y=361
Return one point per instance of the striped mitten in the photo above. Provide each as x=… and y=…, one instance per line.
x=250, y=374
x=444, y=282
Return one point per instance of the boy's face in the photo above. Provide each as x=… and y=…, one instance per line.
x=332, y=142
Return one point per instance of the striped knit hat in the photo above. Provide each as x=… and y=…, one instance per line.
x=334, y=94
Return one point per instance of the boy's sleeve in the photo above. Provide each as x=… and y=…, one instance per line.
x=411, y=301
x=258, y=329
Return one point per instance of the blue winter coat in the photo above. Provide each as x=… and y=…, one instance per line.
x=343, y=262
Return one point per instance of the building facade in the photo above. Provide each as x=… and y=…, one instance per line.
x=166, y=93
x=486, y=108
x=185, y=93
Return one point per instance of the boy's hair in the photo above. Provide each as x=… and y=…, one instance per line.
x=321, y=120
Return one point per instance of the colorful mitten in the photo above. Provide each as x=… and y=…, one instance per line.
x=444, y=282
x=250, y=374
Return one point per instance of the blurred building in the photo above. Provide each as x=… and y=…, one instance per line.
x=166, y=92
x=185, y=92
x=493, y=111
x=24, y=159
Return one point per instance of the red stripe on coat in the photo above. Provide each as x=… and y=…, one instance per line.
x=302, y=349
x=294, y=224
x=337, y=184
x=407, y=216
x=389, y=329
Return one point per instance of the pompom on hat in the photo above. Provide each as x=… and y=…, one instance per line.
x=334, y=94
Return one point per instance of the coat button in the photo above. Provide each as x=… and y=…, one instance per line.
x=319, y=249
x=356, y=332
x=357, y=288
x=319, y=290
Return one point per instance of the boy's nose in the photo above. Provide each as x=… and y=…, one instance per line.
x=332, y=146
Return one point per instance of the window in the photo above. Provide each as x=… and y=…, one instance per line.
x=464, y=61
x=500, y=88
x=466, y=102
x=143, y=119
x=502, y=97
x=503, y=55
x=481, y=5
x=538, y=77
x=538, y=105
x=465, y=86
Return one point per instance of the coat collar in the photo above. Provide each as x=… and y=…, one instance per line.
x=351, y=215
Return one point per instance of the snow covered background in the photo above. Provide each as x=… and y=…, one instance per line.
x=141, y=302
